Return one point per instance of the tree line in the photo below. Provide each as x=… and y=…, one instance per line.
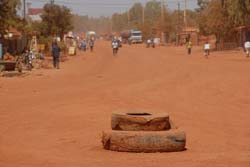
x=212, y=17
x=56, y=20
x=8, y=14
x=217, y=17
x=222, y=17
x=152, y=16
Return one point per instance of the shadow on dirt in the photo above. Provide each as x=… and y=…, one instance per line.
x=14, y=74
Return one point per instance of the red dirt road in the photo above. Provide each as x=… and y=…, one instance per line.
x=54, y=118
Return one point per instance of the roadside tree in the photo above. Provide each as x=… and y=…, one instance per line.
x=58, y=20
x=8, y=14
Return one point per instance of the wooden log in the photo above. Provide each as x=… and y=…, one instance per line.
x=140, y=121
x=144, y=141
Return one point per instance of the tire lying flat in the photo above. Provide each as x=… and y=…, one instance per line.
x=140, y=121
x=144, y=141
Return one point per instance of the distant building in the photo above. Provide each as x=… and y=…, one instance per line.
x=236, y=38
x=241, y=35
x=35, y=14
x=14, y=33
x=189, y=33
x=14, y=41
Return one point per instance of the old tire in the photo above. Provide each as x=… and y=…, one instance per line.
x=140, y=121
x=132, y=141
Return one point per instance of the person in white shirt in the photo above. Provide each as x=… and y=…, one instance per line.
x=148, y=43
x=206, y=49
x=115, y=46
x=247, y=47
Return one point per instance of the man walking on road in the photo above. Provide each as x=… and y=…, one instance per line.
x=115, y=46
x=56, y=55
x=189, y=47
x=91, y=45
x=247, y=48
x=84, y=45
x=206, y=49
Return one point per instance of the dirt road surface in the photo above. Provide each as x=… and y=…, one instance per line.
x=54, y=118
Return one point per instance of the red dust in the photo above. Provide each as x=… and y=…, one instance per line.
x=54, y=118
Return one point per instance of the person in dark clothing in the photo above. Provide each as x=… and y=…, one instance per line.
x=56, y=55
x=84, y=45
x=91, y=45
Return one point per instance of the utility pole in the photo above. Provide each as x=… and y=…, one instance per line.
x=162, y=20
x=50, y=19
x=179, y=9
x=185, y=14
x=24, y=10
x=178, y=23
x=128, y=13
x=111, y=25
x=143, y=15
x=162, y=13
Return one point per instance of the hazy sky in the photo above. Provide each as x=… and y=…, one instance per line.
x=107, y=7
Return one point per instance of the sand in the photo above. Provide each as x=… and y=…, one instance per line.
x=55, y=118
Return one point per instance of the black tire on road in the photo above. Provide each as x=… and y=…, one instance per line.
x=140, y=121
x=133, y=141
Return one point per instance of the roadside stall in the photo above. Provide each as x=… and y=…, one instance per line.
x=11, y=63
x=11, y=47
x=71, y=44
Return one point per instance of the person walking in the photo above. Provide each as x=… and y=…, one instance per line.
x=115, y=46
x=206, y=49
x=84, y=45
x=148, y=43
x=247, y=48
x=56, y=55
x=189, y=47
x=91, y=45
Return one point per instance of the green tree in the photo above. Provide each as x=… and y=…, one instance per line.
x=152, y=18
x=56, y=20
x=239, y=11
x=119, y=22
x=136, y=15
x=215, y=20
x=152, y=12
x=8, y=14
